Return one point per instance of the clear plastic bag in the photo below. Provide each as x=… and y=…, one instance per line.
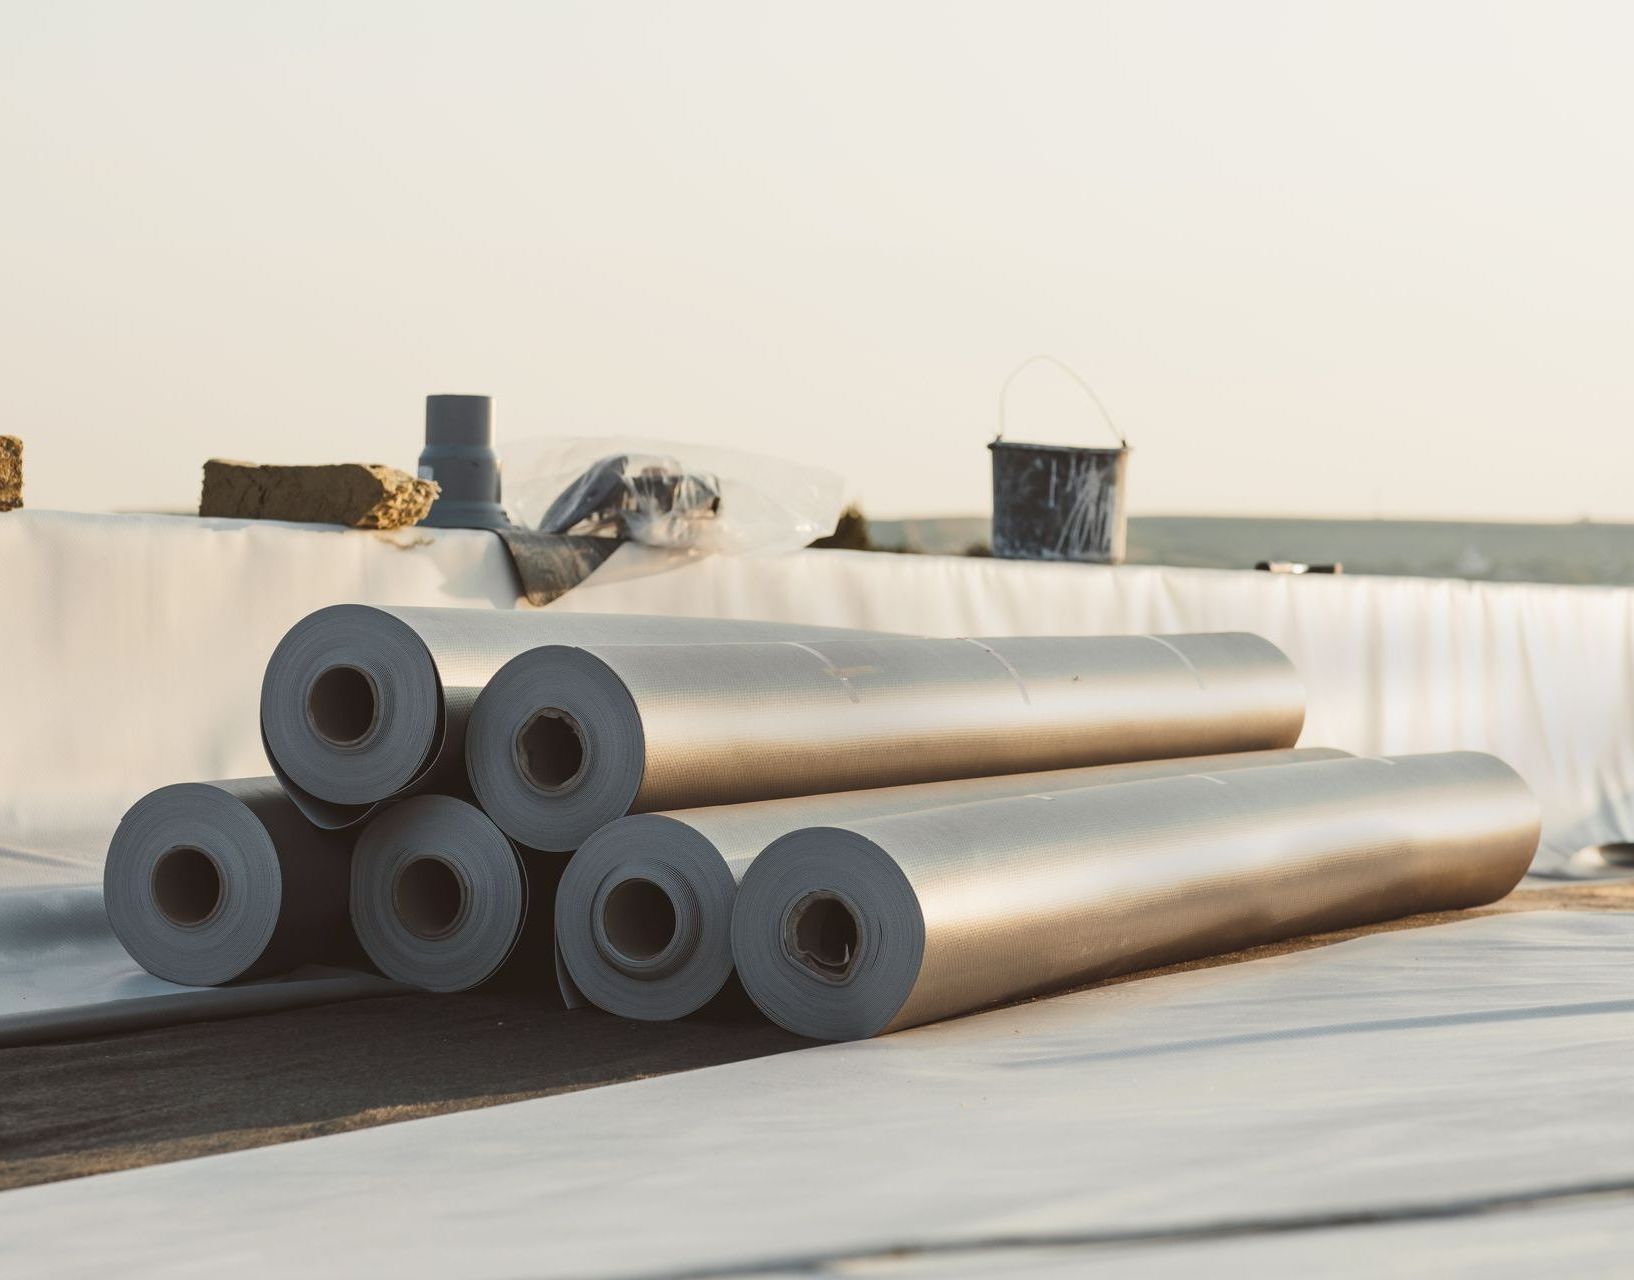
x=664, y=494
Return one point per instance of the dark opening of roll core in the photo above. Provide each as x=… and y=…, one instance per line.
x=638, y=919
x=823, y=935
x=429, y=897
x=549, y=750
x=341, y=705
x=186, y=886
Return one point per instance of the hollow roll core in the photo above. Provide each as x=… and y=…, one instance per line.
x=638, y=919
x=823, y=936
x=550, y=749
x=430, y=897
x=187, y=886
x=342, y=705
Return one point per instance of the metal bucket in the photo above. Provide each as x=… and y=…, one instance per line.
x=1058, y=502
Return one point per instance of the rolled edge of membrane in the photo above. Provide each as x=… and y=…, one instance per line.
x=554, y=747
x=643, y=918
x=324, y=814
x=1471, y=833
x=827, y=934
x=675, y=976
x=439, y=894
x=193, y=885
x=351, y=711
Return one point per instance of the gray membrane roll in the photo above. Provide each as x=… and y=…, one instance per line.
x=567, y=739
x=644, y=909
x=442, y=899
x=208, y=882
x=361, y=704
x=848, y=931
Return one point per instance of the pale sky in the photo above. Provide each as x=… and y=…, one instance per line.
x=1317, y=258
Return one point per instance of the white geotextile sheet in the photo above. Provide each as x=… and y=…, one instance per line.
x=132, y=650
x=1519, y=1242
x=1581, y=1238
x=63, y=973
x=1396, y=1075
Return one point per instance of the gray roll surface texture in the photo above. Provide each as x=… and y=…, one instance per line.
x=361, y=704
x=208, y=882
x=644, y=909
x=566, y=739
x=848, y=931
x=441, y=899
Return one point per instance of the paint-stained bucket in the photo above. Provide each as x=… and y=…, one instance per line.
x=1057, y=502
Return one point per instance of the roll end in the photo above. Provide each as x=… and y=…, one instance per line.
x=555, y=748
x=827, y=934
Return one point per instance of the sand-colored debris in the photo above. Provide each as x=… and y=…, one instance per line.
x=359, y=495
x=11, y=473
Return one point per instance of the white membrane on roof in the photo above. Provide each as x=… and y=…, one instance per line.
x=1400, y=1072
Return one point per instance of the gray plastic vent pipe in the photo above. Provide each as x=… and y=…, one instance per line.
x=459, y=455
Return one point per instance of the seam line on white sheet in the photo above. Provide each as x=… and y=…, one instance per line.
x=1179, y=1234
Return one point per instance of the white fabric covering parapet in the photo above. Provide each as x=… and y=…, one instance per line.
x=1535, y=674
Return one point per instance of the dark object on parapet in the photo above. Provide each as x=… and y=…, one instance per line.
x=851, y=533
x=1294, y=566
x=549, y=565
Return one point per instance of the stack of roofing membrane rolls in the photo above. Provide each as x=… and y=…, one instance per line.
x=875, y=830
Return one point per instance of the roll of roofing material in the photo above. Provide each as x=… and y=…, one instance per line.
x=362, y=704
x=565, y=740
x=644, y=909
x=857, y=929
x=441, y=899
x=207, y=882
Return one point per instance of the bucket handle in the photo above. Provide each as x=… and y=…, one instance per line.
x=1004, y=393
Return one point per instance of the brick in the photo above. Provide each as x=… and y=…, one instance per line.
x=359, y=495
x=11, y=473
